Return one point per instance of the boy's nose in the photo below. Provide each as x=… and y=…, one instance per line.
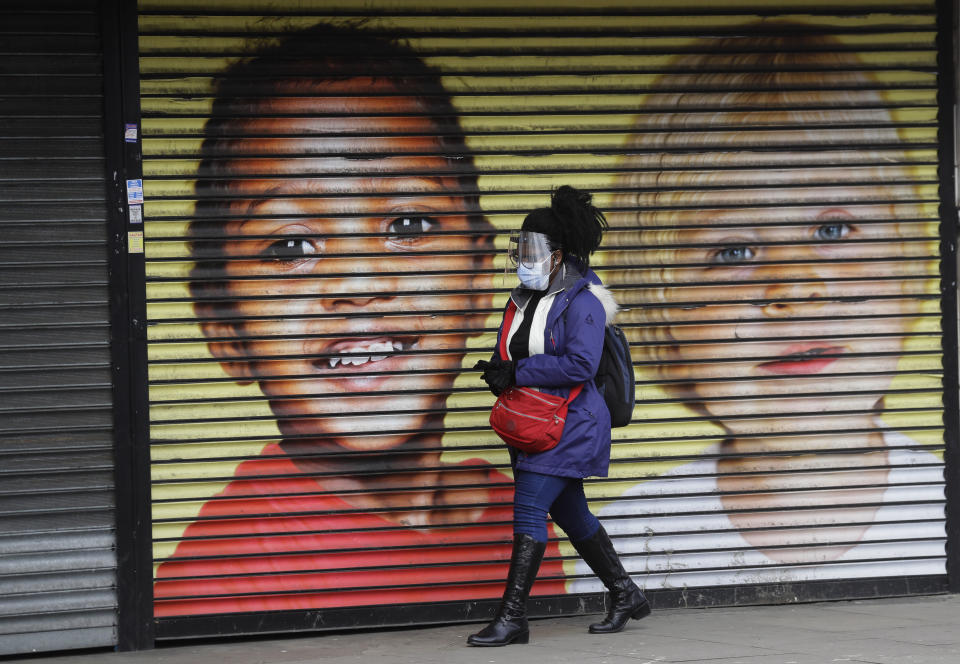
x=347, y=301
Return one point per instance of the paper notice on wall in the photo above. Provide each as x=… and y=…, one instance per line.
x=135, y=242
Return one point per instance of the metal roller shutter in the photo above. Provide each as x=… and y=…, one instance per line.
x=57, y=561
x=324, y=245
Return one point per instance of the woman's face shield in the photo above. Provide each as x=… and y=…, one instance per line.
x=528, y=249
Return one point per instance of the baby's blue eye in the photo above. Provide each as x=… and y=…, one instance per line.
x=734, y=255
x=832, y=232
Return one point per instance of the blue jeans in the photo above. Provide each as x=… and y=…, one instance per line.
x=536, y=494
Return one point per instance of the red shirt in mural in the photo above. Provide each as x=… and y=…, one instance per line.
x=284, y=549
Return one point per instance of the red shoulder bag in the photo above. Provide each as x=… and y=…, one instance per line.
x=530, y=420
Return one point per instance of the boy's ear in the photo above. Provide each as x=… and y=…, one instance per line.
x=226, y=346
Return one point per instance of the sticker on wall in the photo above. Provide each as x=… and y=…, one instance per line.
x=136, y=214
x=134, y=192
x=130, y=133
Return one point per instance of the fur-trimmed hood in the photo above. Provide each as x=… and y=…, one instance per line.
x=610, y=306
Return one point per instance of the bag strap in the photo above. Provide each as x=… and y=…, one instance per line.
x=574, y=393
x=505, y=329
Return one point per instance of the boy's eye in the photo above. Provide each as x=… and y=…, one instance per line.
x=734, y=255
x=835, y=231
x=291, y=248
x=411, y=225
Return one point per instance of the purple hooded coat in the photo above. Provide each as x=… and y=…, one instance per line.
x=572, y=344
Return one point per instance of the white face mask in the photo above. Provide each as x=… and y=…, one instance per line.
x=536, y=277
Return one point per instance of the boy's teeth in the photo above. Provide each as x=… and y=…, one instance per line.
x=376, y=347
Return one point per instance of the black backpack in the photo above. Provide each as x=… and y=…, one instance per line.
x=615, y=376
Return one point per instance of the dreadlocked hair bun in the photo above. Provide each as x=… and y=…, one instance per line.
x=582, y=224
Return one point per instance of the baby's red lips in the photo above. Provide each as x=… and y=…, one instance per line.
x=808, y=360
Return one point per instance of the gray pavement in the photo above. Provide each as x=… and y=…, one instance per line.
x=916, y=630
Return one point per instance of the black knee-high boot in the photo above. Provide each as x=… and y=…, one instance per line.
x=510, y=623
x=626, y=599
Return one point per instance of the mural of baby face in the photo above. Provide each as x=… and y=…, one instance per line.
x=779, y=304
x=346, y=290
x=764, y=312
x=783, y=252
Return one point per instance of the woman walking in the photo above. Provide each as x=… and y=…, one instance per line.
x=552, y=339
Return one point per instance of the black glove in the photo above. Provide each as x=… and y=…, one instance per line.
x=498, y=374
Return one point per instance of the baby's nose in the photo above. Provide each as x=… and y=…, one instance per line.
x=783, y=297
